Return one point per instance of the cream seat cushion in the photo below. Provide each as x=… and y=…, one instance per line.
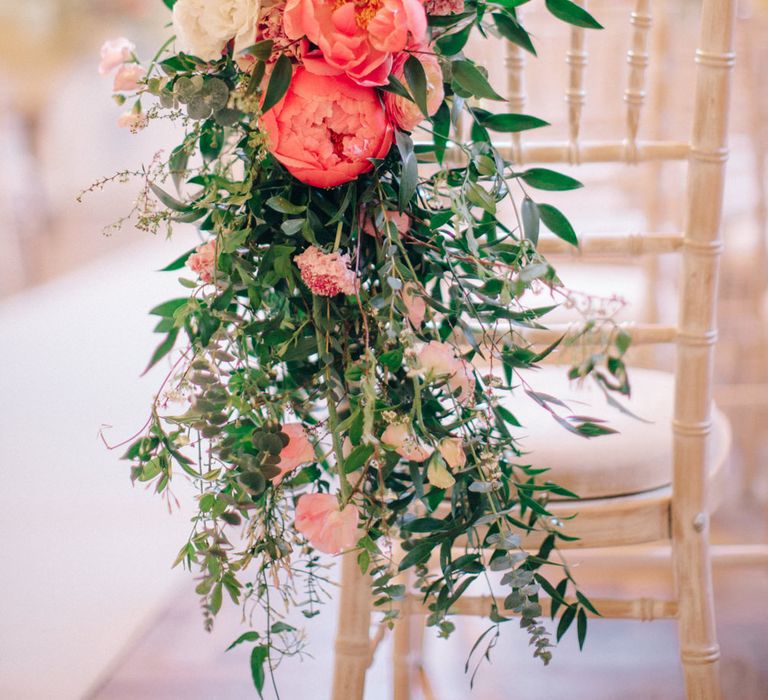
x=636, y=459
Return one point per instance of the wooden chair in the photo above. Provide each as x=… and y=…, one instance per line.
x=669, y=499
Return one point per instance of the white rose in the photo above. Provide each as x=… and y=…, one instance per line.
x=205, y=27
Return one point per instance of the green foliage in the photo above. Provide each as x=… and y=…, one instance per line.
x=252, y=350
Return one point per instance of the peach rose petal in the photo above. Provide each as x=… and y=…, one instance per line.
x=297, y=452
x=328, y=529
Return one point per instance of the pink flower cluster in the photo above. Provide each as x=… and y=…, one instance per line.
x=203, y=261
x=118, y=53
x=326, y=274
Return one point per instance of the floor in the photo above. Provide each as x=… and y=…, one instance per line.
x=176, y=660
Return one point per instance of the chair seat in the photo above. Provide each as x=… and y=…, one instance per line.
x=637, y=459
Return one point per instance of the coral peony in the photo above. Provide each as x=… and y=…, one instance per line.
x=128, y=77
x=298, y=451
x=328, y=529
x=401, y=438
x=115, y=52
x=205, y=27
x=439, y=360
x=443, y=7
x=357, y=38
x=326, y=274
x=326, y=129
x=415, y=305
x=452, y=451
x=406, y=113
x=203, y=261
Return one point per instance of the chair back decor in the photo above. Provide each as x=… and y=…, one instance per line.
x=363, y=304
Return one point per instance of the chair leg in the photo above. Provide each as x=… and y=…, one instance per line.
x=699, y=650
x=408, y=640
x=353, y=643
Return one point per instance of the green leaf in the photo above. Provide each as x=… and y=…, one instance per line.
x=397, y=88
x=393, y=359
x=169, y=3
x=282, y=205
x=418, y=555
x=581, y=627
x=358, y=458
x=245, y=637
x=423, y=525
x=417, y=81
x=545, y=179
x=556, y=222
x=167, y=200
x=168, y=309
x=530, y=214
x=587, y=603
x=571, y=13
x=441, y=128
x=258, y=657
x=409, y=178
x=179, y=263
x=278, y=83
x=565, y=621
x=510, y=123
x=451, y=44
x=511, y=30
x=468, y=76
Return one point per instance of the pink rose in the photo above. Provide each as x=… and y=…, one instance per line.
x=356, y=38
x=415, y=305
x=203, y=261
x=405, y=113
x=325, y=129
x=134, y=121
x=298, y=451
x=328, y=529
x=128, y=77
x=114, y=53
x=402, y=222
x=438, y=360
x=452, y=451
x=401, y=438
x=326, y=274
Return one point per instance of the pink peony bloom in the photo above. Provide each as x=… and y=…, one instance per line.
x=203, y=261
x=405, y=113
x=402, y=222
x=326, y=274
x=415, y=305
x=134, y=121
x=115, y=52
x=357, y=38
x=452, y=451
x=443, y=7
x=128, y=77
x=438, y=359
x=401, y=438
x=326, y=129
x=328, y=529
x=298, y=451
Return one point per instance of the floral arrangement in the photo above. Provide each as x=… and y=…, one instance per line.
x=354, y=314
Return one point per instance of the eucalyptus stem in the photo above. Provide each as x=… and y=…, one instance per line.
x=333, y=416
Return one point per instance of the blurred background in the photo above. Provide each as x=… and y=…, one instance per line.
x=89, y=605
